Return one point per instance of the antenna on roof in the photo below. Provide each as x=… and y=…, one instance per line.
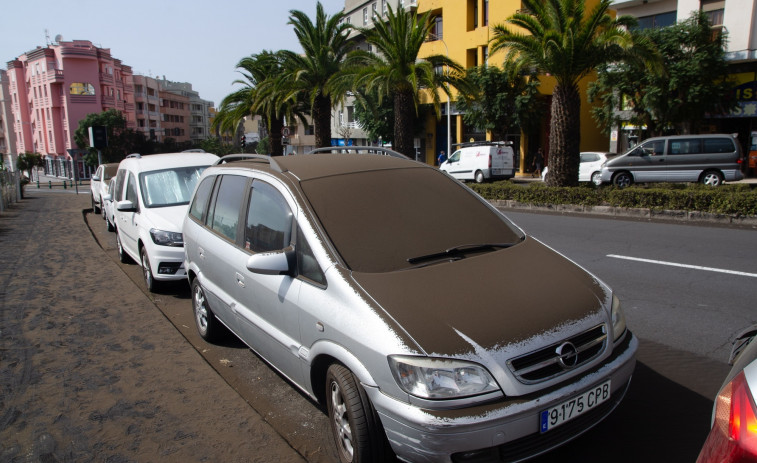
x=58, y=38
x=47, y=37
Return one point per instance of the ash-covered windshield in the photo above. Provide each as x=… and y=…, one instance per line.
x=380, y=219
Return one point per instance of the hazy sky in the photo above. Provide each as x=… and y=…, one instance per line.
x=196, y=41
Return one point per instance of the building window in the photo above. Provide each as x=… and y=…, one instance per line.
x=383, y=7
x=657, y=20
x=485, y=21
x=365, y=16
x=82, y=88
x=438, y=28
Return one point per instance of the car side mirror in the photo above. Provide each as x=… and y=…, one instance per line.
x=126, y=206
x=272, y=263
x=96, y=178
x=107, y=197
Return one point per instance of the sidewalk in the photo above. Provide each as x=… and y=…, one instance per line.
x=90, y=369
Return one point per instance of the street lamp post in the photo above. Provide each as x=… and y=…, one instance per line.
x=449, y=105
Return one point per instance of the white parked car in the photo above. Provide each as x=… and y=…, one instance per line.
x=151, y=196
x=107, y=206
x=98, y=185
x=590, y=168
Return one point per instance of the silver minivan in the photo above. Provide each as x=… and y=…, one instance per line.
x=709, y=159
x=406, y=305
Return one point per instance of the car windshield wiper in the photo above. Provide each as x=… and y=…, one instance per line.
x=458, y=250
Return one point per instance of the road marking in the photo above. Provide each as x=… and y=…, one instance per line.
x=695, y=267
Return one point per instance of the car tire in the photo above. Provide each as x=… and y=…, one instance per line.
x=108, y=225
x=208, y=326
x=95, y=209
x=622, y=179
x=712, y=178
x=102, y=209
x=122, y=256
x=150, y=282
x=479, y=177
x=355, y=425
x=596, y=178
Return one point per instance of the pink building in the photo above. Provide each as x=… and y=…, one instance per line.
x=53, y=88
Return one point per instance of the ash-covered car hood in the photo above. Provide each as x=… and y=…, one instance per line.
x=489, y=301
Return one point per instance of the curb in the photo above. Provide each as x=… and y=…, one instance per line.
x=632, y=213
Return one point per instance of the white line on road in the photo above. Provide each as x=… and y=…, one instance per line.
x=695, y=267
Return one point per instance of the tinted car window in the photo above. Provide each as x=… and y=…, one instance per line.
x=718, y=145
x=228, y=205
x=418, y=212
x=269, y=220
x=652, y=148
x=685, y=146
x=131, y=189
x=307, y=266
x=589, y=157
x=120, y=185
x=200, y=201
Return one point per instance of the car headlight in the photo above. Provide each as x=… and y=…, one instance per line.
x=618, y=319
x=166, y=238
x=440, y=378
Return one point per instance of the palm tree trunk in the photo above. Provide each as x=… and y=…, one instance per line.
x=322, y=121
x=403, y=123
x=564, y=136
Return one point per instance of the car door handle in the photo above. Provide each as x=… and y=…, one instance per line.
x=240, y=279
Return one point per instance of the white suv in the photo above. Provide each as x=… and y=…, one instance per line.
x=151, y=197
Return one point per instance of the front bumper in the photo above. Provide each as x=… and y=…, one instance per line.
x=506, y=429
x=167, y=262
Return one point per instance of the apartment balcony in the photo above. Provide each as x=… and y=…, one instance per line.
x=105, y=77
x=109, y=101
x=129, y=107
x=54, y=75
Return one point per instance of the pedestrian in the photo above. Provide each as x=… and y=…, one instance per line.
x=537, y=163
x=442, y=157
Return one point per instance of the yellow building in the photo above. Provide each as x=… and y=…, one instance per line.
x=462, y=30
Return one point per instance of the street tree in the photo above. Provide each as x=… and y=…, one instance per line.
x=397, y=73
x=260, y=93
x=695, y=83
x=121, y=140
x=28, y=161
x=500, y=100
x=561, y=38
x=308, y=76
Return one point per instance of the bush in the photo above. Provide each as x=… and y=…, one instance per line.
x=738, y=199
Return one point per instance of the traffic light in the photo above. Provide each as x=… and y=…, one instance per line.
x=243, y=141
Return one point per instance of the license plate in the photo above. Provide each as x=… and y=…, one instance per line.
x=499, y=171
x=576, y=406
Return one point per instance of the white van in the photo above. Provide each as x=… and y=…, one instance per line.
x=481, y=161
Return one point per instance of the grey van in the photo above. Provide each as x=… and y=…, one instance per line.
x=406, y=305
x=709, y=159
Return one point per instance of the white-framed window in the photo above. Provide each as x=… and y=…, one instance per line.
x=365, y=16
x=384, y=7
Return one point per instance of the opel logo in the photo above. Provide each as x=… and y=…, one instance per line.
x=567, y=355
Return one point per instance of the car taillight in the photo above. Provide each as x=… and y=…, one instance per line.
x=490, y=162
x=733, y=437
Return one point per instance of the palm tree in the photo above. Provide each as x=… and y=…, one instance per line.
x=308, y=76
x=564, y=40
x=397, y=73
x=258, y=95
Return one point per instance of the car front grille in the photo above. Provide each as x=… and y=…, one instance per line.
x=559, y=358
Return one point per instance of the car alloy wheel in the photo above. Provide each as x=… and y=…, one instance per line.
x=150, y=282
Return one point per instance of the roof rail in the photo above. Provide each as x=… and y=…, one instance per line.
x=359, y=150
x=133, y=155
x=194, y=150
x=483, y=143
x=249, y=157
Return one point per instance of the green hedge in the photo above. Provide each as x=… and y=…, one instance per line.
x=735, y=199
